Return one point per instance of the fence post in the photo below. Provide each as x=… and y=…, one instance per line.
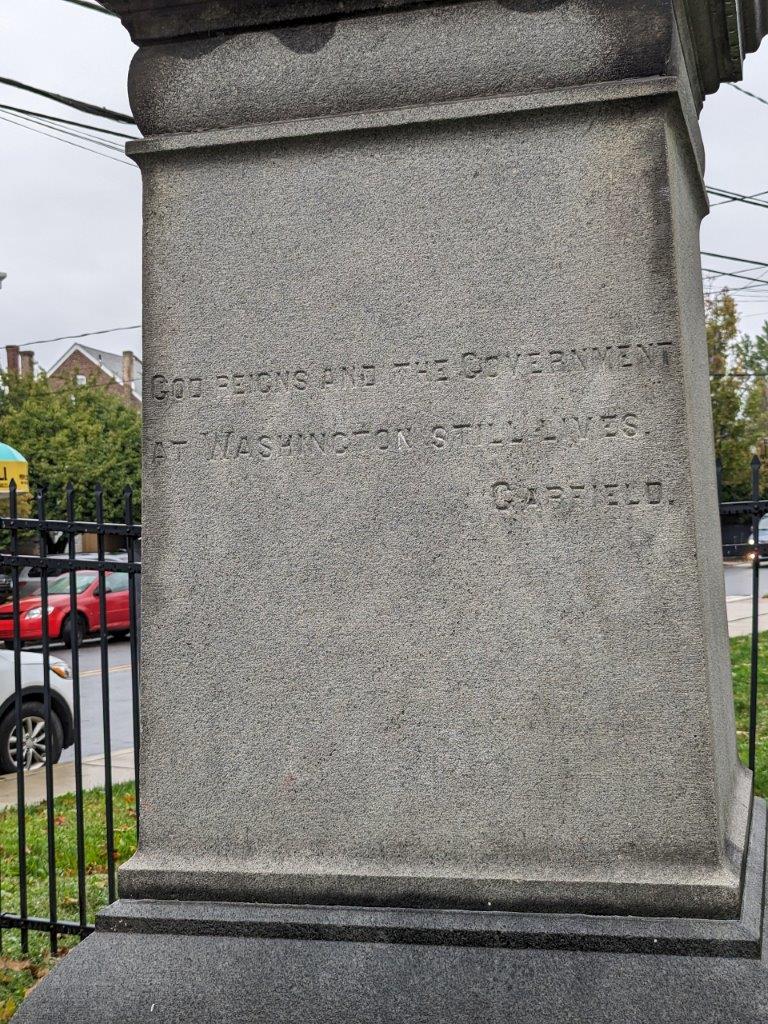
x=135, y=625
x=106, y=728
x=19, y=722
x=42, y=547
x=755, y=614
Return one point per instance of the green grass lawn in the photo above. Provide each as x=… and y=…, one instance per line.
x=740, y=663
x=19, y=971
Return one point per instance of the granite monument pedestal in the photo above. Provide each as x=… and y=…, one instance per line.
x=437, y=724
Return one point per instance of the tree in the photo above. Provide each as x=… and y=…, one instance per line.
x=81, y=433
x=725, y=387
x=738, y=367
x=752, y=354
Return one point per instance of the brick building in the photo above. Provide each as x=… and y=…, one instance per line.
x=121, y=373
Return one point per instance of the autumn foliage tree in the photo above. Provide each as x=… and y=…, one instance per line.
x=738, y=366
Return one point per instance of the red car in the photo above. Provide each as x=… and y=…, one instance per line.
x=62, y=625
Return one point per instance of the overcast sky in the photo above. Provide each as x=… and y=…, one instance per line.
x=70, y=223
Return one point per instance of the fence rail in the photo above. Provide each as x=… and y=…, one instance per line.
x=86, y=579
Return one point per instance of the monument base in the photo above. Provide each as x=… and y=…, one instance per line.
x=175, y=961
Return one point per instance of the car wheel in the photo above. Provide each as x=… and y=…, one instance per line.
x=32, y=738
x=73, y=635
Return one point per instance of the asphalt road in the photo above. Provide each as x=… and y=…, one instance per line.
x=120, y=699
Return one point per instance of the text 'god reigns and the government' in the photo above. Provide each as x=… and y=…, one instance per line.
x=469, y=367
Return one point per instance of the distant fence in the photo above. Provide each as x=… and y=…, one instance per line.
x=739, y=520
x=735, y=538
x=746, y=515
x=64, y=597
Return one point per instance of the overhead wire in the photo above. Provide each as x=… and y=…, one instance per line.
x=755, y=282
x=74, y=337
x=727, y=273
x=734, y=197
x=92, y=7
x=67, y=142
x=68, y=101
x=746, y=92
x=66, y=120
x=733, y=259
x=83, y=135
x=737, y=197
x=755, y=289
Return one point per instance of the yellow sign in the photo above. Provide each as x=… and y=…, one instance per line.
x=13, y=466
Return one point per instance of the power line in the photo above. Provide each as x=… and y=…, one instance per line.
x=727, y=273
x=754, y=289
x=92, y=7
x=724, y=202
x=67, y=101
x=737, y=197
x=733, y=259
x=65, y=120
x=747, y=265
x=752, y=95
x=67, y=142
x=96, y=140
x=73, y=337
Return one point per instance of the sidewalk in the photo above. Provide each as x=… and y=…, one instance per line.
x=64, y=778
x=739, y=611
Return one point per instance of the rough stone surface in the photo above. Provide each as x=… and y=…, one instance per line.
x=722, y=30
x=434, y=428
x=741, y=937
x=135, y=977
x=406, y=57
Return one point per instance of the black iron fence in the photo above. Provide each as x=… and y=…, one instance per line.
x=748, y=514
x=45, y=568
x=60, y=594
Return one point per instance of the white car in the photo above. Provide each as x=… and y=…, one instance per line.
x=33, y=720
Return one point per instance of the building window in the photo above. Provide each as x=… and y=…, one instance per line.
x=81, y=379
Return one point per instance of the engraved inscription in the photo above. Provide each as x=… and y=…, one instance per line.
x=172, y=449
x=362, y=440
x=570, y=428
x=468, y=368
x=574, y=495
x=370, y=439
x=515, y=499
x=510, y=434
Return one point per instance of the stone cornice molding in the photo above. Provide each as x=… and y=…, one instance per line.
x=723, y=31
